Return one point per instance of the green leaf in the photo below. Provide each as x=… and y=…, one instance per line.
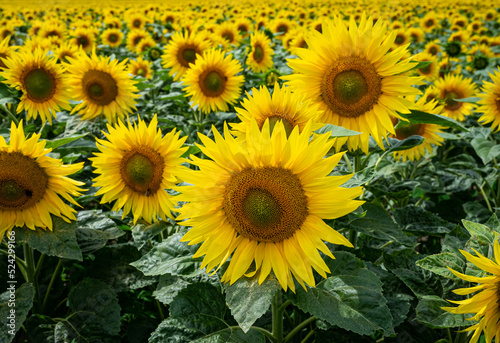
x=193, y=149
x=233, y=335
x=485, y=149
x=405, y=144
x=59, y=142
x=377, y=223
x=351, y=301
x=472, y=99
x=168, y=288
x=14, y=309
x=143, y=233
x=60, y=242
x=337, y=131
x=438, y=264
x=248, y=301
x=170, y=256
x=430, y=313
x=417, y=221
x=419, y=117
x=94, y=229
x=95, y=309
x=199, y=298
x=420, y=281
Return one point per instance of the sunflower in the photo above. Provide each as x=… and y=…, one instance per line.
x=32, y=183
x=417, y=34
x=357, y=84
x=42, y=82
x=145, y=44
x=453, y=87
x=291, y=109
x=112, y=37
x=212, y=82
x=134, y=37
x=433, y=48
x=141, y=68
x=136, y=166
x=490, y=102
x=265, y=202
x=83, y=38
x=229, y=32
x=402, y=38
x=65, y=50
x=429, y=22
x=104, y=86
x=431, y=71
x=5, y=51
x=182, y=50
x=430, y=133
x=485, y=303
x=260, y=58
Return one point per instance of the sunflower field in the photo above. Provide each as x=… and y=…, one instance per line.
x=250, y=171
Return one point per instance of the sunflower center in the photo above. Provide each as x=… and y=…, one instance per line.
x=142, y=170
x=40, y=85
x=212, y=83
x=351, y=87
x=113, y=38
x=287, y=123
x=137, y=23
x=425, y=70
x=258, y=54
x=141, y=72
x=265, y=204
x=399, y=39
x=449, y=99
x=22, y=181
x=189, y=55
x=2, y=55
x=433, y=50
x=83, y=41
x=227, y=35
x=480, y=62
x=100, y=87
x=406, y=131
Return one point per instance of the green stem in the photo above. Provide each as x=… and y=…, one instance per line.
x=277, y=318
x=448, y=332
x=52, y=280
x=353, y=237
x=349, y=165
x=298, y=328
x=162, y=316
x=10, y=114
x=309, y=335
x=39, y=265
x=357, y=164
x=20, y=262
x=486, y=198
x=284, y=305
x=29, y=259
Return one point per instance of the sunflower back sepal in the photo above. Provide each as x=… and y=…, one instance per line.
x=332, y=301
x=60, y=242
x=248, y=300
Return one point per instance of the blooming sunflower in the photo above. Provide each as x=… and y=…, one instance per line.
x=433, y=48
x=104, y=86
x=136, y=165
x=83, y=38
x=5, y=51
x=260, y=58
x=112, y=37
x=42, y=82
x=141, y=68
x=134, y=37
x=65, y=50
x=349, y=73
x=430, y=71
x=453, y=87
x=485, y=303
x=265, y=202
x=182, y=50
x=430, y=133
x=291, y=109
x=32, y=183
x=490, y=102
x=212, y=82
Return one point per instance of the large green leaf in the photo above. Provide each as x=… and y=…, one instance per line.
x=485, y=149
x=419, y=117
x=438, y=264
x=417, y=221
x=199, y=298
x=337, y=131
x=170, y=257
x=94, y=229
x=405, y=144
x=248, y=300
x=60, y=142
x=429, y=311
x=14, y=308
x=351, y=299
x=143, y=233
x=60, y=242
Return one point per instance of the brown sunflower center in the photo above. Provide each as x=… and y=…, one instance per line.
x=187, y=55
x=426, y=70
x=406, y=131
x=40, y=85
x=83, y=41
x=2, y=55
x=22, y=181
x=399, y=39
x=100, y=87
x=140, y=72
x=449, y=99
x=212, y=83
x=258, y=53
x=142, y=170
x=136, y=23
x=265, y=204
x=287, y=123
x=351, y=87
x=228, y=35
x=433, y=50
x=113, y=38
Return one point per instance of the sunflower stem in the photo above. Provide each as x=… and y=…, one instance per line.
x=10, y=114
x=485, y=197
x=349, y=165
x=52, y=280
x=264, y=331
x=448, y=332
x=353, y=237
x=277, y=317
x=298, y=328
x=29, y=259
x=358, y=165
x=309, y=335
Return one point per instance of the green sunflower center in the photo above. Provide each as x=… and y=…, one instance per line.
x=113, y=38
x=271, y=78
x=189, y=55
x=141, y=72
x=399, y=39
x=142, y=170
x=22, y=181
x=265, y=204
x=433, y=50
x=40, y=85
x=426, y=70
x=212, y=82
x=154, y=54
x=99, y=87
x=480, y=62
x=287, y=123
x=258, y=53
x=406, y=131
x=351, y=87
x=449, y=99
